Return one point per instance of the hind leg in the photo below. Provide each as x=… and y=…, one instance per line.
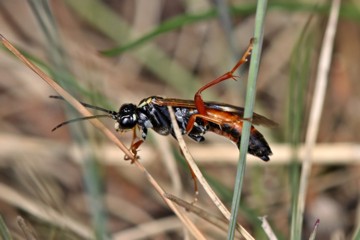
x=199, y=102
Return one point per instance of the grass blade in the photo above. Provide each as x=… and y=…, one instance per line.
x=4, y=231
x=170, y=25
x=299, y=75
x=249, y=106
x=93, y=180
x=108, y=133
x=348, y=11
x=316, y=110
x=313, y=233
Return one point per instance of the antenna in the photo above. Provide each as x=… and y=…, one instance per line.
x=111, y=114
x=88, y=105
x=79, y=119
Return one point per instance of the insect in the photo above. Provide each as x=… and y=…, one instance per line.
x=194, y=117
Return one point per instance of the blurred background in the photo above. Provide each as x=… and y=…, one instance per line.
x=74, y=184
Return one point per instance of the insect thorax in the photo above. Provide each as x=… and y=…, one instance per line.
x=155, y=116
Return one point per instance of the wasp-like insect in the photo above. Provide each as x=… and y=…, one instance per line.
x=194, y=117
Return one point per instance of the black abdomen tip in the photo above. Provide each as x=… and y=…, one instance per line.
x=265, y=158
x=258, y=146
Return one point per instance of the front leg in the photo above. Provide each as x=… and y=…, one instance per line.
x=135, y=144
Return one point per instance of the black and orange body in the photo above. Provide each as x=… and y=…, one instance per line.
x=194, y=117
x=223, y=119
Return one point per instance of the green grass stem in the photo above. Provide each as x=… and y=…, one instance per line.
x=4, y=231
x=62, y=75
x=249, y=106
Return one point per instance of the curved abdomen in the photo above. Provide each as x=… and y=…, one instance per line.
x=231, y=128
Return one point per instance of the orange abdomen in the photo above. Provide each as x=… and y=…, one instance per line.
x=231, y=127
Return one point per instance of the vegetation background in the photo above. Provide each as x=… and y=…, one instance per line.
x=74, y=184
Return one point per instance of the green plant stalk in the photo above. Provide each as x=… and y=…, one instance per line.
x=348, y=11
x=357, y=233
x=4, y=231
x=94, y=185
x=300, y=71
x=62, y=75
x=249, y=107
x=317, y=106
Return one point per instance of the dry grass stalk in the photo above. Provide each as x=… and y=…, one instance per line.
x=79, y=107
x=215, y=199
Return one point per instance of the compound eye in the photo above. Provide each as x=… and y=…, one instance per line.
x=127, y=122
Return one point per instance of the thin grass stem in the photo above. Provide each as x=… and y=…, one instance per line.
x=90, y=166
x=85, y=112
x=316, y=110
x=249, y=106
x=4, y=231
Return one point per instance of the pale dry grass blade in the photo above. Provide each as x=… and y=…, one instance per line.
x=195, y=168
x=267, y=228
x=316, y=108
x=43, y=212
x=149, y=229
x=323, y=154
x=27, y=230
x=189, y=159
x=76, y=104
x=169, y=162
x=181, y=215
x=313, y=233
x=218, y=221
x=81, y=109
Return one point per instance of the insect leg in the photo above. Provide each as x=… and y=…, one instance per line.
x=193, y=118
x=199, y=102
x=135, y=144
x=194, y=178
